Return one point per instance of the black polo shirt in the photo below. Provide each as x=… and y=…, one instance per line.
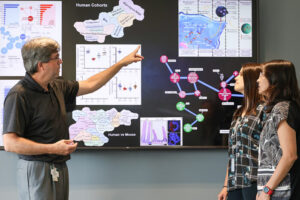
x=39, y=115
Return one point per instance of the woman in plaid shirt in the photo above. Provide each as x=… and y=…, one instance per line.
x=241, y=175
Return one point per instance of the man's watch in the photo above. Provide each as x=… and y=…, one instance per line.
x=268, y=190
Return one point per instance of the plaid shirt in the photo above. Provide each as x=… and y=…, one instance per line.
x=243, y=150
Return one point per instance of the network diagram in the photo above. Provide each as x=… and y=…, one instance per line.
x=224, y=94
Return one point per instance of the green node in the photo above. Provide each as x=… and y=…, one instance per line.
x=187, y=128
x=180, y=106
x=200, y=117
x=246, y=28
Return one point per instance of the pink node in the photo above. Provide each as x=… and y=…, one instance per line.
x=174, y=78
x=163, y=59
x=30, y=18
x=197, y=93
x=183, y=45
x=235, y=73
x=223, y=84
x=192, y=77
x=182, y=94
x=224, y=94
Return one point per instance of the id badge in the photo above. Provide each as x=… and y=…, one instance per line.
x=54, y=174
x=232, y=165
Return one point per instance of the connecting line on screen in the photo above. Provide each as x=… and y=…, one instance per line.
x=224, y=93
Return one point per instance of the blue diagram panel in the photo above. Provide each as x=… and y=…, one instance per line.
x=199, y=32
x=5, y=86
x=216, y=28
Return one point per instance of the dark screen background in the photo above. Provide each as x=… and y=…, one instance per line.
x=158, y=35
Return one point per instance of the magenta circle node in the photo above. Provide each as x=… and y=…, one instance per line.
x=235, y=73
x=182, y=94
x=192, y=77
x=224, y=94
x=223, y=84
x=163, y=59
x=174, y=78
x=197, y=93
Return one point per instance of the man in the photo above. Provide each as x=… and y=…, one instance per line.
x=35, y=121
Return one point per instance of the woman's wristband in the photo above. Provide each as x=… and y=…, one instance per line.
x=224, y=185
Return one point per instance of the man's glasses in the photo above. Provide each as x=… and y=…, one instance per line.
x=56, y=59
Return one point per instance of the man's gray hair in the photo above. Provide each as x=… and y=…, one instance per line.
x=38, y=50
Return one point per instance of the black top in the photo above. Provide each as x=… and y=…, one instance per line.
x=39, y=115
x=270, y=151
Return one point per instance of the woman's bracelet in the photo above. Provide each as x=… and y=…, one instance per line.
x=224, y=185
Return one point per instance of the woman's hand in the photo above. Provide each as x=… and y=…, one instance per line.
x=223, y=194
x=263, y=196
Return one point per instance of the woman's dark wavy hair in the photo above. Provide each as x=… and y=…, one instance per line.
x=283, y=82
x=250, y=73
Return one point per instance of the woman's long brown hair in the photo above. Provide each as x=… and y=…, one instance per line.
x=250, y=74
x=283, y=82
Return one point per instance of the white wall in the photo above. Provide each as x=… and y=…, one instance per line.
x=279, y=31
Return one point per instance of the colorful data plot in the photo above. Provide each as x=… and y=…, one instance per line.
x=161, y=131
x=22, y=21
x=123, y=89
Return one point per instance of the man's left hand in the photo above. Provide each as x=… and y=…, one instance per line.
x=132, y=57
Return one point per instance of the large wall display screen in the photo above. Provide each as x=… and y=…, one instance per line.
x=180, y=96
